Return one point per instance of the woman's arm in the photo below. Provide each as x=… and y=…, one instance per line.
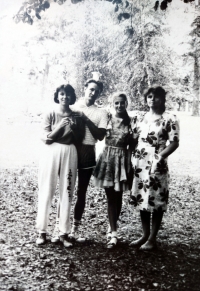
x=63, y=123
x=49, y=135
x=169, y=149
x=164, y=154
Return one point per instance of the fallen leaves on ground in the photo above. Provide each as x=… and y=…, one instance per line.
x=89, y=265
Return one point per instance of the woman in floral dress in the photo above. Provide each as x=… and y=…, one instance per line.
x=157, y=134
x=112, y=167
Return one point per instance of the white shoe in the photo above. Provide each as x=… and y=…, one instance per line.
x=65, y=240
x=41, y=240
x=55, y=236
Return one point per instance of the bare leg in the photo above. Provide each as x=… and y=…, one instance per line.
x=119, y=203
x=112, y=208
x=145, y=219
x=156, y=222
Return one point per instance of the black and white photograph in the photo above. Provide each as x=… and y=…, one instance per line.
x=100, y=145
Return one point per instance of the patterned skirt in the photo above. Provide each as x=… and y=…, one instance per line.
x=111, y=169
x=149, y=192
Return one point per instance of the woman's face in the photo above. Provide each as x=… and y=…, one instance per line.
x=63, y=98
x=120, y=104
x=153, y=101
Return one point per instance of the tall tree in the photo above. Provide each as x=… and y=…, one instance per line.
x=196, y=54
x=123, y=40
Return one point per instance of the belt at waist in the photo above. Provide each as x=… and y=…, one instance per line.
x=121, y=148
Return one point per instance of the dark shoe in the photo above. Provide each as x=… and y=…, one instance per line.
x=66, y=241
x=112, y=243
x=41, y=240
x=148, y=246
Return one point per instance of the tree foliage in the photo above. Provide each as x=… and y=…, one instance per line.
x=125, y=44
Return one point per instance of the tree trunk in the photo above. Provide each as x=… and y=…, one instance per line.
x=196, y=98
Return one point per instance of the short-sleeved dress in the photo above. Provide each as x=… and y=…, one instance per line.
x=112, y=165
x=150, y=191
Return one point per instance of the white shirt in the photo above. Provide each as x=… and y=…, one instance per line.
x=97, y=115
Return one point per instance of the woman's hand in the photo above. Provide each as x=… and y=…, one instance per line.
x=156, y=160
x=65, y=121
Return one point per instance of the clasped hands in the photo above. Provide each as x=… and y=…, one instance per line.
x=67, y=121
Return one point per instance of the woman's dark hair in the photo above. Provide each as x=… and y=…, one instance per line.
x=69, y=90
x=98, y=83
x=158, y=92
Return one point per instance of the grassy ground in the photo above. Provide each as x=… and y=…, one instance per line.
x=89, y=266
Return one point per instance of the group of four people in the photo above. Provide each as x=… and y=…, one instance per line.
x=135, y=155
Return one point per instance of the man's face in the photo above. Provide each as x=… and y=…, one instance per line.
x=91, y=93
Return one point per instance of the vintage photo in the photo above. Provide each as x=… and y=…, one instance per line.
x=100, y=145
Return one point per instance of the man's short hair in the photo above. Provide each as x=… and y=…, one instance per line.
x=98, y=83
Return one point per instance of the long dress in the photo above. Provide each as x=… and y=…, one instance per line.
x=150, y=191
x=112, y=165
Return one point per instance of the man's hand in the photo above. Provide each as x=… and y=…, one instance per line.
x=80, y=114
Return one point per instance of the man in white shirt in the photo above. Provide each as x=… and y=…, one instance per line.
x=96, y=121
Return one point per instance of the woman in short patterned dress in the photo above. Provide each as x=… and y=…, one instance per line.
x=150, y=191
x=112, y=169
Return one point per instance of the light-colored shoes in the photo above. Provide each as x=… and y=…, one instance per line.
x=112, y=243
x=66, y=241
x=55, y=236
x=41, y=240
x=109, y=233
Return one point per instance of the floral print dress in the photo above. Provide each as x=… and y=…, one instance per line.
x=150, y=191
x=112, y=165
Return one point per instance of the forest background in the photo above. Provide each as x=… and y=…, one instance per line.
x=133, y=46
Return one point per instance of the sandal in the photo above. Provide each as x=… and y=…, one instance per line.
x=112, y=243
x=109, y=236
x=109, y=233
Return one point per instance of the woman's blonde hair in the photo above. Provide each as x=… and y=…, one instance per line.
x=119, y=94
